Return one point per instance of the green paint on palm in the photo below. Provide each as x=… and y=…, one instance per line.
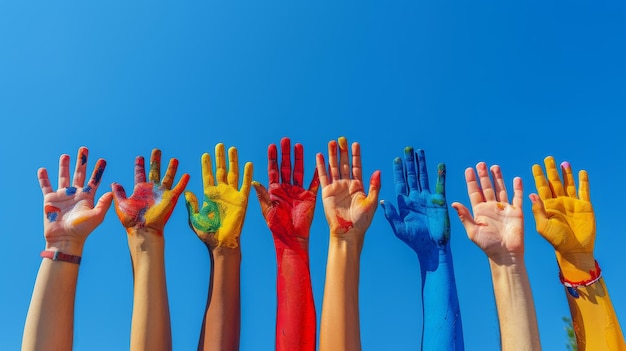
x=208, y=219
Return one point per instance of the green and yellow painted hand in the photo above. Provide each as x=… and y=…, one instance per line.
x=219, y=221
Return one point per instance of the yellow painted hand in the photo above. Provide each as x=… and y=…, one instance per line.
x=220, y=220
x=562, y=216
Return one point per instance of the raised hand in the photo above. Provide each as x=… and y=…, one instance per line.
x=287, y=207
x=497, y=226
x=564, y=217
x=220, y=220
x=349, y=211
x=152, y=202
x=69, y=212
x=421, y=220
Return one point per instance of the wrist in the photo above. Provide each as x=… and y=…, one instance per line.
x=145, y=240
x=351, y=240
x=70, y=247
x=576, y=267
x=225, y=253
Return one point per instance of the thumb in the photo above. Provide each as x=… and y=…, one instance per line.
x=539, y=212
x=374, y=189
x=263, y=196
x=192, y=203
x=466, y=219
x=119, y=194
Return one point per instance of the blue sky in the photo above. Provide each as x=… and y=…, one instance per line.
x=500, y=82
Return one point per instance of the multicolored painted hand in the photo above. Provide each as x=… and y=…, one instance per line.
x=152, y=202
x=69, y=212
x=497, y=226
x=347, y=208
x=220, y=220
x=421, y=220
x=287, y=207
x=563, y=217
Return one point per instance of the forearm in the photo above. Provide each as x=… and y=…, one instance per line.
x=515, y=304
x=150, y=327
x=50, y=319
x=593, y=316
x=295, y=317
x=443, y=328
x=222, y=320
x=339, y=328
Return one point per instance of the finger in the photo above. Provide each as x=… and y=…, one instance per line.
x=102, y=206
x=391, y=214
x=583, y=186
x=411, y=171
x=155, y=167
x=272, y=164
x=500, y=186
x=96, y=176
x=64, y=171
x=119, y=194
x=315, y=182
x=357, y=169
x=474, y=191
x=568, y=179
x=541, y=183
x=192, y=203
x=553, y=177
x=298, y=168
x=207, y=171
x=466, y=219
x=422, y=170
x=374, y=189
x=233, y=167
x=140, y=170
x=81, y=167
x=539, y=212
x=220, y=164
x=285, y=162
x=320, y=166
x=263, y=196
x=440, y=188
x=398, y=177
x=44, y=181
x=180, y=187
x=518, y=192
x=485, y=182
x=333, y=167
x=247, y=179
x=344, y=164
x=170, y=173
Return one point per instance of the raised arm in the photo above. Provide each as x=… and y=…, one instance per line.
x=422, y=222
x=69, y=217
x=565, y=218
x=349, y=212
x=288, y=210
x=144, y=215
x=218, y=223
x=497, y=227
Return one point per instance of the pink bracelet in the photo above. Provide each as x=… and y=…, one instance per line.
x=60, y=256
x=573, y=286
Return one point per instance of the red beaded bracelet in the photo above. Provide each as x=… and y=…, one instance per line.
x=60, y=256
x=572, y=286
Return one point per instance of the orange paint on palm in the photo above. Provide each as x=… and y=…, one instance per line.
x=344, y=224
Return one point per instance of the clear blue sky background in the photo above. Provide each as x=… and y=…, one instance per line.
x=501, y=82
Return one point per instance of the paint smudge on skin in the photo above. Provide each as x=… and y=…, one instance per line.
x=52, y=212
x=344, y=224
x=98, y=175
x=565, y=165
x=70, y=190
x=343, y=143
x=87, y=189
x=83, y=159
